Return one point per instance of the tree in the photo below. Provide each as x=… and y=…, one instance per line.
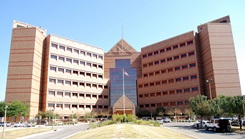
x=236, y=105
x=200, y=105
x=17, y=108
x=143, y=112
x=2, y=105
x=160, y=111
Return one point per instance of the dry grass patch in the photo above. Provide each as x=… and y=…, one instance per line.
x=130, y=131
x=17, y=133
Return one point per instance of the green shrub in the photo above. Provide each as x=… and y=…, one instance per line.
x=131, y=118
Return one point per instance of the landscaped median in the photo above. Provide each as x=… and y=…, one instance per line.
x=129, y=131
x=22, y=132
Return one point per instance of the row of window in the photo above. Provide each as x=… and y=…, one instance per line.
x=75, y=106
x=169, y=81
x=165, y=104
x=168, y=70
x=170, y=92
x=76, y=95
x=76, y=61
x=76, y=51
x=75, y=72
x=75, y=83
x=177, y=57
x=168, y=49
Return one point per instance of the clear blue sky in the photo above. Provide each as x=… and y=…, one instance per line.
x=99, y=22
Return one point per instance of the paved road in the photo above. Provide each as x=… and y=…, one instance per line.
x=186, y=128
x=61, y=132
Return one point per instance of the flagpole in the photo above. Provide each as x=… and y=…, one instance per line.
x=123, y=95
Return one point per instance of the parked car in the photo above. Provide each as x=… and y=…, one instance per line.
x=18, y=124
x=159, y=120
x=166, y=120
x=8, y=124
x=200, y=124
x=30, y=125
x=219, y=125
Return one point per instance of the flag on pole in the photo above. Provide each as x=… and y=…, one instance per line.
x=125, y=73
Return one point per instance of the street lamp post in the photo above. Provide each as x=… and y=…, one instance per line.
x=52, y=119
x=209, y=85
x=4, y=126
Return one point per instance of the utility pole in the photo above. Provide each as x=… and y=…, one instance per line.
x=4, y=126
x=209, y=86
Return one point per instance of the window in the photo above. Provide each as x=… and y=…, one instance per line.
x=67, y=106
x=76, y=51
x=192, y=65
x=165, y=104
x=75, y=83
x=75, y=61
x=156, y=62
x=52, y=80
x=193, y=77
x=157, y=72
x=190, y=42
x=88, y=74
x=164, y=82
x=82, y=63
x=144, y=56
x=172, y=104
x=69, y=49
x=153, y=105
x=180, y=103
x=88, y=54
x=145, y=85
x=194, y=89
x=61, y=70
x=144, y=65
x=151, y=84
x=54, y=45
x=75, y=72
x=170, y=70
x=88, y=64
x=150, y=54
x=67, y=94
x=168, y=49
x=68, y=71
x=184, y=67
x=163, y=71
x=152, y=94
x=171, y=80
x=100, y=57
x=169, y=59
x=176, y=57
x=163, y=60
x=145, y=75
x=162, y=50
x=51, y=105
x=177, y=68
x=82, y=84
x=151, y=64
x=100, y=76
x=182, y=44
x=165, y=93
x=82, y=73
x=175, y=46
x=59, y=106
x=62, y=47
x=69, y=60
x=140, y=86
x=171, y=92
x=179, y=91
x=186, y=78
x=95, y=65
x=52, y=68
x=151, y=74
x=82, y=53
x=59, y=93
x=158, y=83
x=94, y=55
x=177, y=79
x=60, y=81
x=187, y=90
x=51, y=93
x=54, y=57
x=100, y=66
x=88, y=85
x=62, y=58
x=191, y=53
x=183, y=55
x=156, y=52
x=68, y=82
x=158, y=93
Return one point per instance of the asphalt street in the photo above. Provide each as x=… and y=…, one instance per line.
x=185, y=128
x=59, y=132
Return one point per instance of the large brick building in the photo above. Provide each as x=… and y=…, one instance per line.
x=56, y=73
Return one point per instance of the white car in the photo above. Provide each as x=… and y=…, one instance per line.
x=166, y=120
x=18, y=124
x=198, y=125
x=159, y=120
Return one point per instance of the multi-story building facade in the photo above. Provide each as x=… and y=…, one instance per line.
x=56, y=73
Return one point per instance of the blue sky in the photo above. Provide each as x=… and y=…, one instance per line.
x=99, y=22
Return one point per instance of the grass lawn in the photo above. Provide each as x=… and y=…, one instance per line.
x=17, y=133
x=129, y=131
